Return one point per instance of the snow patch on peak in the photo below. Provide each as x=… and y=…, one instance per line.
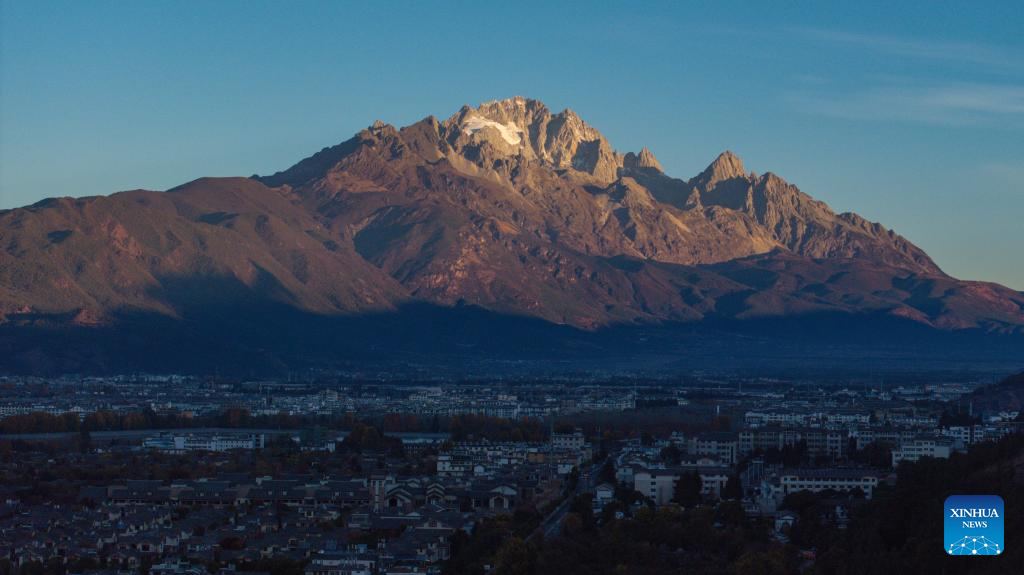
x=509, y=132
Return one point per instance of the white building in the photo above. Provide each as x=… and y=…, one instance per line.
x=919, y=447
x=721, y=446
x=604, y=493
x=202, y=442
x=449, y=465
x=836, y=479
x=658, y=484
x=713, y=480
x=573, y=441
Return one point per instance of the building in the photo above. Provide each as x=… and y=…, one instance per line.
x=355, y=562
x=604, y=493
x=657, y=484
x=660, y=484
x=835, y=479
x=780, y=416
x=865, y=436
x=182, y=443
x=819, y=442
x=919, y=447
x=713, y=480
x=573, y=441
x=722, y=446
x=963, y=435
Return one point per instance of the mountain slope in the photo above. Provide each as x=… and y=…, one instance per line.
x=508, y=207
x=149, y=251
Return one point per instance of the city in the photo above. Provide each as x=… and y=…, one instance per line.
x=363, y=478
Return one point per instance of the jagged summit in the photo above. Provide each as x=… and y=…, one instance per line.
x=725, y=167
x=511, y=107
x=496, y=131
x=645, y=159
x=519, y=144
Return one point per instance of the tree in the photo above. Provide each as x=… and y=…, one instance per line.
x=232, y=543
x=582, y=505
x=795, y=454
x=670, y=454
x=731, y=513
x=688, y=488
x=572, y=480
x=84, y=440
x=951, y=418
x=733, y=488
x=607, y=472
x=564, y=427
x=874, y=454
x=70, y=421
x=235, y=417
x=721, y=423
x=775, y=561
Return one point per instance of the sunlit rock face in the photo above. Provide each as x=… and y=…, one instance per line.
x=506, y=206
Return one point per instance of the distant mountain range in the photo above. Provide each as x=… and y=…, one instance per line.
x=504, y=230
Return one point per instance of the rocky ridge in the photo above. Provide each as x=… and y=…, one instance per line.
x=506, y=206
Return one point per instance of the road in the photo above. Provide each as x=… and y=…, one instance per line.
x=552, y=524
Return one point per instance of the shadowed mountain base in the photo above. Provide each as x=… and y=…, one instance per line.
x=427, y=340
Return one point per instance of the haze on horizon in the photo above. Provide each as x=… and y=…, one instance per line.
x=910, y=115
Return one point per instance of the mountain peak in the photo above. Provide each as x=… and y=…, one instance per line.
x=515, y=102
x=503, y=131
x=725, y=167
x=505, y=122
x=516, y=110
x=645, y=159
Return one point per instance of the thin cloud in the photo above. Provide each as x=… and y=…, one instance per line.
x=955, y=104
x=976, y=54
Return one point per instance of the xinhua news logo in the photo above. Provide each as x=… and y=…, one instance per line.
x=974, y=525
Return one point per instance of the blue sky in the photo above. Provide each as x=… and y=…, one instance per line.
x=911, y=115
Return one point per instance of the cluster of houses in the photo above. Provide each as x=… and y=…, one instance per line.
x=823, y=440
x=564, y=452
x=198, y=397
x=760, y=487
x=384, y=521
x=910, y=434
x=236, y=521
x=381, y=519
